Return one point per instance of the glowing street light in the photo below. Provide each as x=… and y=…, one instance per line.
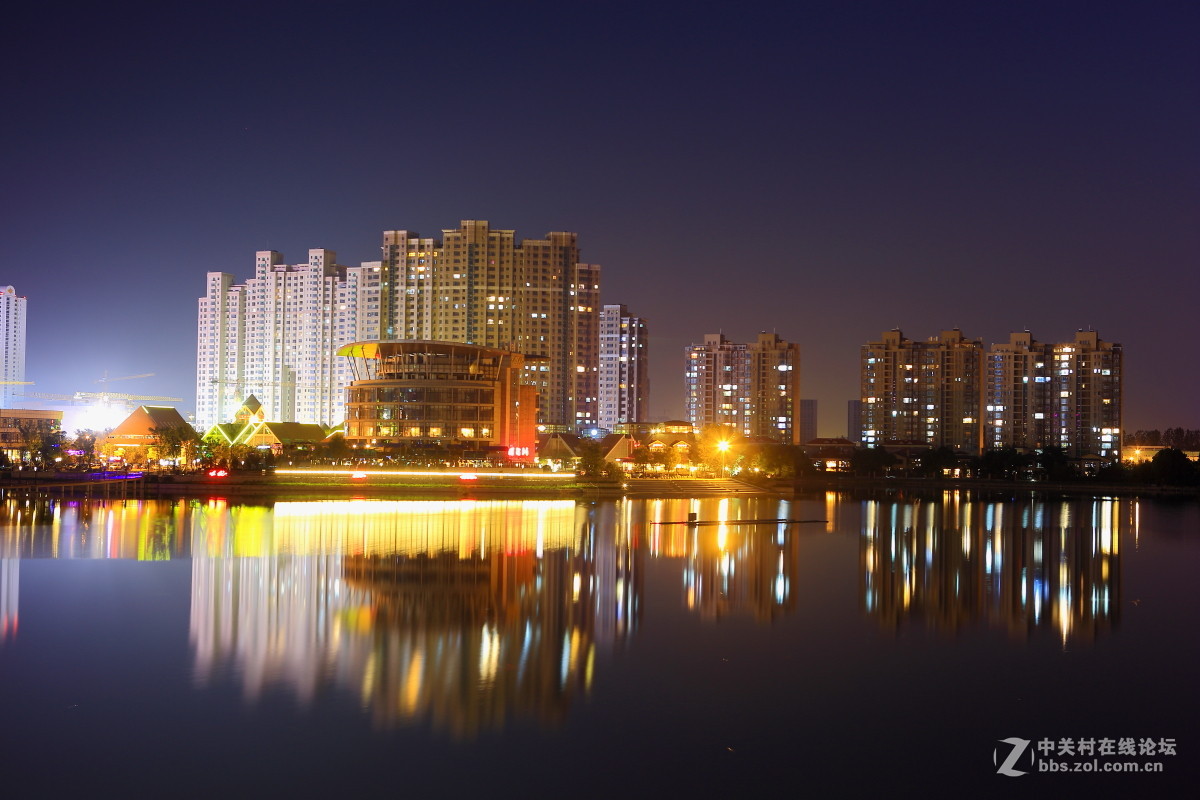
x=723, y=446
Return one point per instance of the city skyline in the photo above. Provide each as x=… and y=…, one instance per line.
x=818, y=171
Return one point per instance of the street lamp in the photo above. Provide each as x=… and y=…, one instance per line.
x=723, y=446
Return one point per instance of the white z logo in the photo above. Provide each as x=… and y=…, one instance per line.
x=1018, y=747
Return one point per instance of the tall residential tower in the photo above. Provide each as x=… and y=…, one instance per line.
x=924, y=393
x=624, y=384
x=275, y=337
x=752, y=388
x=479, y=285
x=1066, y=395
x=12, y=340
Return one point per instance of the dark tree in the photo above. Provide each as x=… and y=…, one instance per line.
x=591, y=459
x=1174, y=468
x=1055, y=464
x=933, y=462
x=1007, y=463
x=867, y=461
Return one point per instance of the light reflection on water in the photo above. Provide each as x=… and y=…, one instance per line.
x=1018, y=565
x=468, y=614
x=457, y=613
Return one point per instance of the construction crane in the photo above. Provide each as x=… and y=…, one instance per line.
x=104, y=397
x=47, y=396
x=81, y=398
x=264, y=383
x=105, y=379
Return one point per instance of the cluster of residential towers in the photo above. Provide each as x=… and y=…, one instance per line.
x=278, y=336
x=949, y=392
x=283, y=336
x=286, y=334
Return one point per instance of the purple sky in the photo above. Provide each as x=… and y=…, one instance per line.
x=824, y=170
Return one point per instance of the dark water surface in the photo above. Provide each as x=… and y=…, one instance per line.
x=561, y=649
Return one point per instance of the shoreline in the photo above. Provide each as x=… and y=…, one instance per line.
x=377, y=486
x=991, y=486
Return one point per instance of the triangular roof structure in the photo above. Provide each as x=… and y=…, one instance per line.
x=146, y=418
x=140, y=427
x=561, y=446
x=617, y=446
x=226, y=432
x=250, y=411
x=286, y=433
x=251, y=429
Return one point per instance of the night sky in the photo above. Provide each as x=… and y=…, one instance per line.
x=824, y=170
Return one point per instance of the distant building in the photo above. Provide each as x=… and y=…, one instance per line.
x=751, y=388
x=624, y=382
x=1144, y=454
x=643, y=429
x=1066, y=395
x=854, y=420
x=808, y=421
x=12, y=342
x=419, y=397
x=830, y=454
x=926, y=393
x=946, y=392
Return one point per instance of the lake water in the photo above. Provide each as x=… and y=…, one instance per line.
x=884, y=643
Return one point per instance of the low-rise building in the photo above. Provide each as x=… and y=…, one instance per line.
x=24, y=430
x=423, y=397
x=149, y=434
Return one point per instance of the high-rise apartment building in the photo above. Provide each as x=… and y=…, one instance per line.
x=926, y=393
x=1016, y=410
x=479, y=285
x=1066, y=395
x=276, y=335
x=624, y=382
x=751, y=388
x=12, y=340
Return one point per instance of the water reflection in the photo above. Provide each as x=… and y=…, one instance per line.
x=729, y=567
x=10, y=585
x=466, y=614
x=1017, y=564
x=145, y=530
x=463, y=614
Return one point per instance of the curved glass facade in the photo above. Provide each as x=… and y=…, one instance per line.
x=441, y=395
